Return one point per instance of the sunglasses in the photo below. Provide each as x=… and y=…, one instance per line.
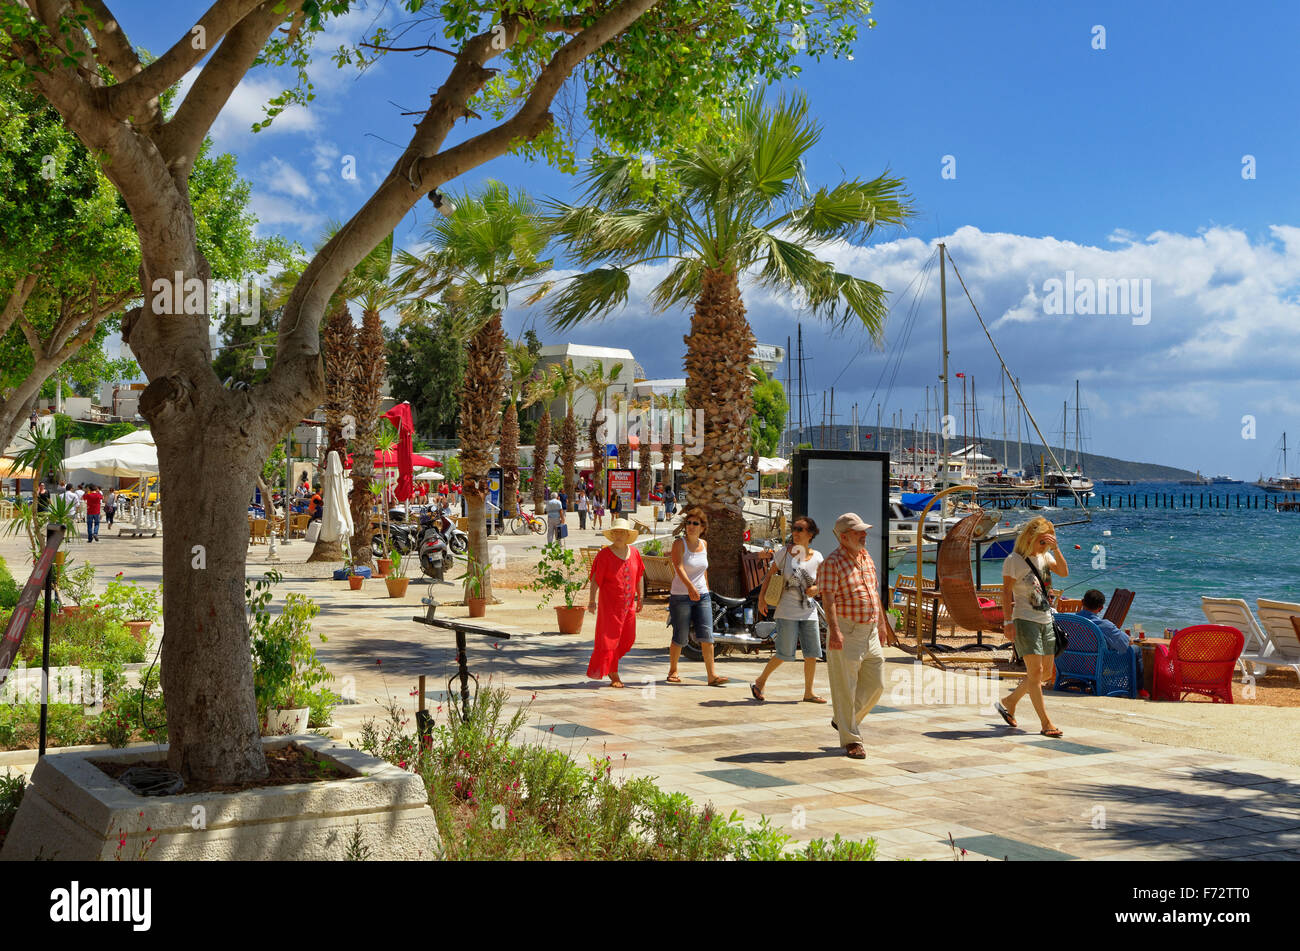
x=802, y=528
x=694, y=522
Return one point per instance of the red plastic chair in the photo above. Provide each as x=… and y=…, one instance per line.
x=1200, y=659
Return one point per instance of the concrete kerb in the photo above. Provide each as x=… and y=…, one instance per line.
x=75, y=811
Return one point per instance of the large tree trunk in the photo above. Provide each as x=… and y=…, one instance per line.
x=569, y=455
x=718, y=353
x=541, y=453
x=480, y=425
x=510, y=459
x=645, y=467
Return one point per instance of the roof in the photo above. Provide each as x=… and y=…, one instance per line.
x=582, y=350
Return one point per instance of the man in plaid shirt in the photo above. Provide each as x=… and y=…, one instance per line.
x=858, y=629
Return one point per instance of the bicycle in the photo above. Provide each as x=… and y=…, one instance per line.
x=525, y=521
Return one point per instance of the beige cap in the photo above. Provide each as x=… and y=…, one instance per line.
x=850, y=522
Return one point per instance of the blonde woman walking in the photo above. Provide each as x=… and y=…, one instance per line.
x=1027, y=607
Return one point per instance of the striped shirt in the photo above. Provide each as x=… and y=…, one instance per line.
x=851, y=581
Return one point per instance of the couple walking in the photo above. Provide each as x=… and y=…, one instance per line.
x=857, y=627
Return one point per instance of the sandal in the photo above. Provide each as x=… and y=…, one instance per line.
x=758, y=694
x=1053, y=732
x=717, y=681
x=1005, y=715
x=814, y=699
x=672, y=679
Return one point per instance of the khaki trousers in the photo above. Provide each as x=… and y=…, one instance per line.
x=857, y=675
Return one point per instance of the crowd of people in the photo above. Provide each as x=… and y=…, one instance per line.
x=87, y=502
x=846, y=584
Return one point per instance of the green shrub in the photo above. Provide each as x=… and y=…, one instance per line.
x=12, y=788
x=9, y=589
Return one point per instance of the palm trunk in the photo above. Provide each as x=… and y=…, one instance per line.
x=597, y=455
x=643, y=475
x=340, y=356
x=510, y=459
x=367, y=396
x=667, y=454
x=569, y=454
x=717, y=361
x=541, y=452
x=480, y=427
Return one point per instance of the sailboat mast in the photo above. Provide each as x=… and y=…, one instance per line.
x=1065, y=436
x=943, y=312
x=1078, y=457
x=1004, y=420
x=1020, y=446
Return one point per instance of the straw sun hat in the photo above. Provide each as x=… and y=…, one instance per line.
x=622, y=525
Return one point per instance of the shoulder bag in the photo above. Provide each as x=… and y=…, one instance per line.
x=1059, y=633
x=775, y=586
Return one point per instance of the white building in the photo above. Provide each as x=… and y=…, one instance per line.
x=582, y=357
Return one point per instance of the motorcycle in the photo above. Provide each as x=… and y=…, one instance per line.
x=737, y=627
x=457, y=540
x=436, y=558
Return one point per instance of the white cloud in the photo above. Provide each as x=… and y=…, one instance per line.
x=279, y=176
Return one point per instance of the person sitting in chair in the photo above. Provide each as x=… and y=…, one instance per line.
x=1116, y=640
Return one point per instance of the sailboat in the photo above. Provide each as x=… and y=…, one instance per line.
x=1063, y=477
x=1283, y=481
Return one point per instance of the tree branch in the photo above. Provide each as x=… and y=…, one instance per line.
x=17, y=300
x=133, y=95
x=181, y=138
x=112, y=47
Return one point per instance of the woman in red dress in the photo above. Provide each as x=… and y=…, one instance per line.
x=619, y=577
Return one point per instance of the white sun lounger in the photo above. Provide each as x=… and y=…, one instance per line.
x=1260, y=647
x=1284, y=645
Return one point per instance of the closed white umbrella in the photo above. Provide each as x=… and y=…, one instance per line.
x=336, y=515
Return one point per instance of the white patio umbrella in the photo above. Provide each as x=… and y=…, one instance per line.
x=336, y=515
x=767, y=465
x=131, y=460
x=140, y=436
x=429, y=476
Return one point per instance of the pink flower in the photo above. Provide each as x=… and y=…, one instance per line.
x=402, y=764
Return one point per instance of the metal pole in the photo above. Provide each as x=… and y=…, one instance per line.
x=45, y=654
x=943, y=310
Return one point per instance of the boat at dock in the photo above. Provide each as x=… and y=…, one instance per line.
x=1199, y=480
x=1225, y=480
x=1283, y=481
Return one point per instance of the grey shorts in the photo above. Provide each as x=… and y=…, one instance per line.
x=804, y=632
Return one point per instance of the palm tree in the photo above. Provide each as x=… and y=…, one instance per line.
x=567, y=383
x=543, y=391
x=737, y=202
x=521, y=363
x=371, y=287
x=488, y=244
x=644, y=465
x=43, y=455
x=597, y=383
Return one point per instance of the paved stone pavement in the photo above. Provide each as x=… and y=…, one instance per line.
x=938, y=764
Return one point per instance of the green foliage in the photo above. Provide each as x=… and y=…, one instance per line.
x=654, y=546
x=559, y=571
x=78, y=583
x=476, y=574
x=286, y=669
x=770, y=408
x=273, y=470
x=128, y=601
x=426, y=363
x=451, y=469
x=12, y=787
x=9, y=588
x=496, y=798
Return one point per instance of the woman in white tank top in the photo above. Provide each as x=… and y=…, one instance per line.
x=689, y=605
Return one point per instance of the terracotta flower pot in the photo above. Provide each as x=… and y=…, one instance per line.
x=69, y=611
x=397, y=586
x=385, y=566
x=570, y=619
x=354, y=582
x=138, y=629
x=477, y=607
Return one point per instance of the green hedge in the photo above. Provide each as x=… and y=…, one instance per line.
x=9, y=589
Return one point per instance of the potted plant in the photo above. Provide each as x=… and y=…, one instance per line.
x=396, y=579
x=77, y=585
x=354, y=580
x=286, y=670
x=475, y=575
x=132, y=604
x=377, y=492
x=560, y=571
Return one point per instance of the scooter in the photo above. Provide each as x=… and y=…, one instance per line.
x=456, y=540
x=737, y=627
x=436, y=558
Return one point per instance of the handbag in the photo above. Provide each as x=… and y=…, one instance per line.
x=562, y=531
x=774, y=588
x=1059, y=633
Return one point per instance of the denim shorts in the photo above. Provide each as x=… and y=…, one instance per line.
x=805, y=632
x=685, y=613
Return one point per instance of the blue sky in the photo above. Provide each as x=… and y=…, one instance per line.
x=1116, y=163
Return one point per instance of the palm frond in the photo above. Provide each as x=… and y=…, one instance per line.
x=593, y=294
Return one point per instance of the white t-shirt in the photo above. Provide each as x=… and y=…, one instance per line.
x=1025, y=590
x=696, y=566
x=580, y=503
x=798, y=573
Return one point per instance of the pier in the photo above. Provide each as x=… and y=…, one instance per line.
x=1020, y=497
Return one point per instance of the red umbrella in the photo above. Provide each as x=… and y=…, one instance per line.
x=388, y=460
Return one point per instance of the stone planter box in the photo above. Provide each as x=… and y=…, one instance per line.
x=73, y=811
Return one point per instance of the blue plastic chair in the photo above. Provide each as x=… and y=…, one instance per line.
x=1089, y=661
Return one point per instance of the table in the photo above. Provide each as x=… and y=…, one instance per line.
x=1148, y=646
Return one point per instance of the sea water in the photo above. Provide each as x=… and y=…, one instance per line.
x=1172, y=556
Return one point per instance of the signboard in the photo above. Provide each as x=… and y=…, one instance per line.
x=494, y=486
x=13, y=638
x=826, y=483
x=622, y=481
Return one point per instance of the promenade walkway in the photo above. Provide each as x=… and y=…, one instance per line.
x=934, y=767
